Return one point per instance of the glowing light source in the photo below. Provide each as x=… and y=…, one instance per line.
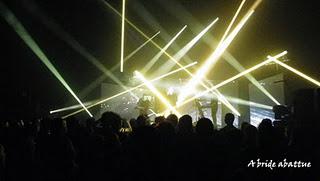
x=157, y=93
x=25, y=36
x=132, y=89
x=122, y=33
x=201, y=73
x=232, y=79
x=70, y=107
x=158, y=55
x=295, y=71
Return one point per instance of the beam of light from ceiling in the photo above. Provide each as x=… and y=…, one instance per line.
x=122, y=34
x=232, y=21
x=28, y=40
x=150, y=63
x=153, y=23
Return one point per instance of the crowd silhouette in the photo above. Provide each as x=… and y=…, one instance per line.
x=168, y=149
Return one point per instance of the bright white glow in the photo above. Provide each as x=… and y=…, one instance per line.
x=232, y=21
x=70, y=108
x=201, y=73
x=295, y=71
x=157, y=93
x=122, y=33
x=232, y=79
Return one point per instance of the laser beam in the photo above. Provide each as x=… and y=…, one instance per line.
x=232, y=21
x=122, y=33
x=295, y=71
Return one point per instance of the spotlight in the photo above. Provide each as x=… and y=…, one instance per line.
x=122, y=33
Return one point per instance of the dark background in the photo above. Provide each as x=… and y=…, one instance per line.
x=28, y=86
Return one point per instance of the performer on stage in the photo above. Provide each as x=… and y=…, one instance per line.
x=199, y=107
x=214, y=109
x=143, y=105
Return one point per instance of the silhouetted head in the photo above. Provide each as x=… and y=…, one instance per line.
x=90, y=122
x=141, y=121
x=185, y=125
x=159, y=119
x=244, y=125
x=58, y=126
x=250, y=136
x=204, y=127
x=266, y=124
x=72, y=122
x=2, y=156
x=229, y=119
x=111, y=121
x=173, y=119
x=165, y=129
x=31, y=128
